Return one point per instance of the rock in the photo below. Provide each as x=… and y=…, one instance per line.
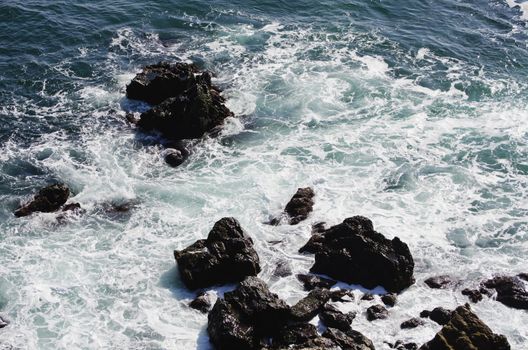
x=226, y=256
x=523, y=276
x=425, y=314
x=356, y=254
x=389, y=299
x=473, y=294
x=367, y=297
x=466, y=331
x=311, y=282
x=201, y=303
x=175, y=157
x=342, y=295
x=308, y=307
x=412, y=323
x=319, y=227
x=440, y=315
x=439, y=282
x=400, y=345
x=349, y=340
x=47, y=200
x=131, y=118
x=189, y=115
x=3, y=322
x=300, y=205
x=283, y=269
x=297, y=334
x=332, y=317
x=160, y=81
x=377, y=312
x=245, y=316
x=510, y=291
x=72, y=207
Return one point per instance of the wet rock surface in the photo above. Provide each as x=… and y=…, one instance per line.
x=300, y=205
x=411, y=323
x=377, y=312
x=354, y=253
x=226, y=256
x=342, y=295
x=440, y=315
x=439, y=282
x=466, y=331
x=389, y=299
x=473, y=294
x=48, y=199
x=332, y=317
x=308, y=307
x=311, y=282
x=510, y=291
x=202, y=303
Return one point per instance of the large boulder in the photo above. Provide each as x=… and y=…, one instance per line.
x=158, y=82
x=246, y=316
x=511, y=291
x=226, y=256
x=354, y=253
x=465, y=331
x=48, y=199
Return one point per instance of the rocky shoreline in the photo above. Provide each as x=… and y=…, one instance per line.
x=186, y=105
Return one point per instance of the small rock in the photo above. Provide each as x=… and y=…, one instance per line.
x=283, y=269
x=523, y=276
x=439, y=282
x=389, y=299
x=298, y=333
x=473, y=294
x=71, y=207
x=349, y=340
x=412, y=323
x=308, y=307
x=377, y=312
x=319, y=227
x=400, y=345
x=342, y=295
x=466, y=331
x=440, y=315
x=425, y=314
x=3, y=322
x=201, y=303
x=300, y=205
x=332, y=317
x=367, y=296
x=47, y=200
x=510, y=291
x=311, y=282
x=175, y=157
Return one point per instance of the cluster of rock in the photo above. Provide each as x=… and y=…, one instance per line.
x=186, y=105
x=49, y=199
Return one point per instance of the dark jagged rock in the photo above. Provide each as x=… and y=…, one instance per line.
x=245, y=316
x=367, y=297
x=466, y=331
x=411, y=323
x=175, y=157
x=377, y=312
x=3, y=322
x=47, y=200
x=510, y=291
x=227, y=255
x=440, y=315
x=400, y=345
x=311, y=282
x=332, y=317
x=425, y=314
x=349, y=340
x=319, y=227
x=354, y=253
x=72, y=207
x=342, y=295
x=283, y=269
x=473, y=294
x=308, y=307
x=160, y=81
x=523, y=276
x=296, y=334
x=439, y=282
x=187, y=116
x=300, y=205
x=201, y=303
x=389, y=299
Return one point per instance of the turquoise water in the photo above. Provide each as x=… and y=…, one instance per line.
x=413, y=114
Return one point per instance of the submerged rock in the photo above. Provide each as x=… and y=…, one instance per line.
x=439, y=282
x=466, y=331
x=308, y=307
x=226, y=256
x=160, y=81
x=377, y=312
x=245, y=316
x=311, y=282
x=510, y=291
x=300, y=205
x=354, y=253
x=48, y=199
x=332, y=317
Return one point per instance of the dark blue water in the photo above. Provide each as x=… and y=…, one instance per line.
x=412, y=113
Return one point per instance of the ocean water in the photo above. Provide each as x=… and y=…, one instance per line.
x=411, y=113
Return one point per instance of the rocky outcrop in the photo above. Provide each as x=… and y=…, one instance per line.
x=466, y=331
x=48, y=199
x=311, y=282
x=226, y=256
x=510, y=291
x=187, y=105
x=246, y=316
x=354, y=253
x=296, y=334
x=175, y=157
